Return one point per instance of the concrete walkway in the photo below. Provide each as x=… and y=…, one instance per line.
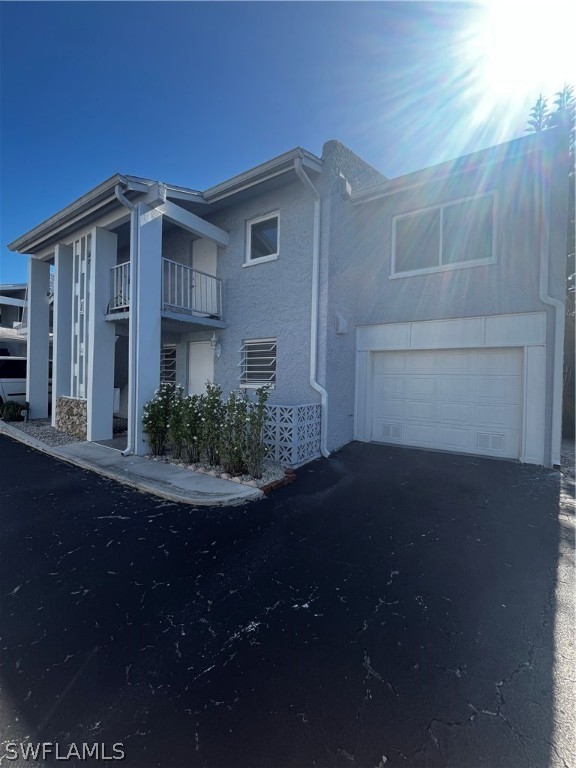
x=165, y=480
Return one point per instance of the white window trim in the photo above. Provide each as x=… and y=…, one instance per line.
x=257, y=385
x=394, y=275
x=248, y=262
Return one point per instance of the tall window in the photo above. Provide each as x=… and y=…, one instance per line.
x=262, y=238
x=258, y=362
x=445, y=237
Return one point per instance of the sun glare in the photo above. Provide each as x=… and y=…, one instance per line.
x=519, y=50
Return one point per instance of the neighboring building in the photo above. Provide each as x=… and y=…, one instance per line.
x=12, y=305
x=426, y=310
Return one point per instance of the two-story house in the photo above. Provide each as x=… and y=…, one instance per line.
x=425, y=310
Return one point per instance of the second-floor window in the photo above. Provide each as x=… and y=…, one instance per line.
x=262, y=238
x=456, y=234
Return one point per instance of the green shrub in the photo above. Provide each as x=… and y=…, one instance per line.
x=203, y=426
x=212, y=419
x=192, y=410
x=232, y=436
x=11, y=410
x=177, y=422
x=156, y=418
x=255, y=449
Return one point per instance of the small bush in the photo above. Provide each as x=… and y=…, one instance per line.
x=202, y=426
x=177, y=429
x=192, y=409
x=232, y=435
x=212, y=419
x=11, y=410
x=255, y=449
x=156, y=418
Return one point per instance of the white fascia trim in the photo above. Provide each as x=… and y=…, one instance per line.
x=86, y=205
x=275, y=167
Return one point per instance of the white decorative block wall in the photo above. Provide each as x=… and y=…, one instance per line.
x=293, y=433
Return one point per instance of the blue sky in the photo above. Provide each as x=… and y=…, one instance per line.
x=192, y=93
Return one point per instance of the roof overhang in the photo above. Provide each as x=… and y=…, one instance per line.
x=101, y=200
x=466, y=164
x=275, y=167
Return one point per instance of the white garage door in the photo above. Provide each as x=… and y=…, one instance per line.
x=467, y=400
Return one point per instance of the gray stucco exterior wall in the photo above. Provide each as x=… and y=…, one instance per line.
x=265, y=300
x=358, y=241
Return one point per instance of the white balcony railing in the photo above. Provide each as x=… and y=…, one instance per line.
x=188, y=290
x=183, y=289
x=120, y=286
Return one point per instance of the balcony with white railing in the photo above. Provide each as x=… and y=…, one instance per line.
x=120, y=287
x=190, y=291
x=185, y=291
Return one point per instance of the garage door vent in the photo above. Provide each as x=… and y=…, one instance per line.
x=490, y=442
x=392, y=431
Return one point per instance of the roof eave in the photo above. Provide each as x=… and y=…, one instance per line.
x=91, y=199
x=464, y=164
x=278, y=165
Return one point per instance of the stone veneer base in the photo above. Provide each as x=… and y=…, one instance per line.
x=72, y=416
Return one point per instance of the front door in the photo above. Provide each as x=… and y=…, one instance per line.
x=200, y=366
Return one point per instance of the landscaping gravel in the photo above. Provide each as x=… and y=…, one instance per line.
x=567, y=458
x=272, y=471
x=43, y=430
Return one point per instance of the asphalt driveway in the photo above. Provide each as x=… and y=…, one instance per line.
x=391, y=607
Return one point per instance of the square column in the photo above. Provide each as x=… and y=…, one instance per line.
x=145, y=322
x=38, y=337
x=62, y=344
x=102, y=338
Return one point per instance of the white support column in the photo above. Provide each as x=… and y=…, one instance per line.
x=145, y=327
x=101, y=338
x=62, y=344
x=38, y=337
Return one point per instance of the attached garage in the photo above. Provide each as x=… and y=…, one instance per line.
x=451, y=400
x=469, y=385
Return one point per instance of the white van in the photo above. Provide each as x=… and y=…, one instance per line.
x=12, y=379
x=13, y=370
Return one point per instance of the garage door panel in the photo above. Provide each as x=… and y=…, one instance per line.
x=386, y=431
x=500, y=389
x=456, y=400
x=420, y=386
x=389, y=408
x=422, y=362
x=392, y=361
x=389, y=385
x=416, y=410
x=457, y=388
x=419, y=434
x=502, y=442
x=497, y=416
x=457, y=362
x=462, y=412
x=453, y=439
x=499, y=361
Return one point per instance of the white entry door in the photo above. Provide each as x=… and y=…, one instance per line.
x=200, y=366
x=467, y=400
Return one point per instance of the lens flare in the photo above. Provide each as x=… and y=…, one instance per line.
x=517, y=51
